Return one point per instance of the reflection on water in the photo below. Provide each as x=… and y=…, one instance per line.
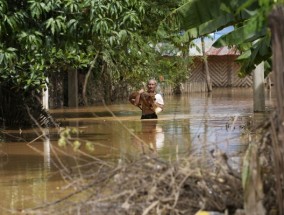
x=196, y=122
x=150, y=135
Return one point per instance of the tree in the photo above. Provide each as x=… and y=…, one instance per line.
x=42, y=37
x=51, y=35
x=276, y=19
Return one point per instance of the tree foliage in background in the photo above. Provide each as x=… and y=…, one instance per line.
x=144, y=59
x=39, y=37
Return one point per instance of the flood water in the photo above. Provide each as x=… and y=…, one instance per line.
x=194, y=122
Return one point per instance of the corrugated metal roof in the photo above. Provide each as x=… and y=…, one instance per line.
x=196, y=51
x=222, y=51
x=210, y=50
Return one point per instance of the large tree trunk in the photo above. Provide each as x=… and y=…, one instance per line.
x=72, y=88
x=84, y=92
x=276, y=21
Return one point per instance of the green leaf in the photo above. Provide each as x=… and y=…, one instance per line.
x=196, y=12
x=245, y=55
x=215, y=24
x=251, y=30
x=1, y=58
x=76, y=145
x=90, y=146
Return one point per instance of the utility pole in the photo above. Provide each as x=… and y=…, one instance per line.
x=258, y=89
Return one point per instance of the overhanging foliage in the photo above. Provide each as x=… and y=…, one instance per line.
x=250, y=35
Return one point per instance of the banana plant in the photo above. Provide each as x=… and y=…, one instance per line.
x=250, y=35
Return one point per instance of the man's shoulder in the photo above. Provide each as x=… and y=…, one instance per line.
x=159, y=99
x=158, y=95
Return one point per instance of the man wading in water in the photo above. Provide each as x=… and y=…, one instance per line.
x=148, y=113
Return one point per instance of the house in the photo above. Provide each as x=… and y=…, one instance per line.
x=222, y=68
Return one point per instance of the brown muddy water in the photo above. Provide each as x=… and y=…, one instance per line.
x=29, y=159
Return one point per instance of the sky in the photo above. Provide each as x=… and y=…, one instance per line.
x=223, y=31
x=208, y=41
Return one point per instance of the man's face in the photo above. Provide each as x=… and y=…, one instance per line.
x=151, y=86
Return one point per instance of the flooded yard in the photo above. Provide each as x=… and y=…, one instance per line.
x=29, y=158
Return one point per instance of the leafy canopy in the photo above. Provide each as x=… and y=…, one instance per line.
x=41, y=36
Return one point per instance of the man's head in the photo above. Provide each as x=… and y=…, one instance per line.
x=151, y=85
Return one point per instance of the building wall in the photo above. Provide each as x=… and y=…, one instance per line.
x=223, y=73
